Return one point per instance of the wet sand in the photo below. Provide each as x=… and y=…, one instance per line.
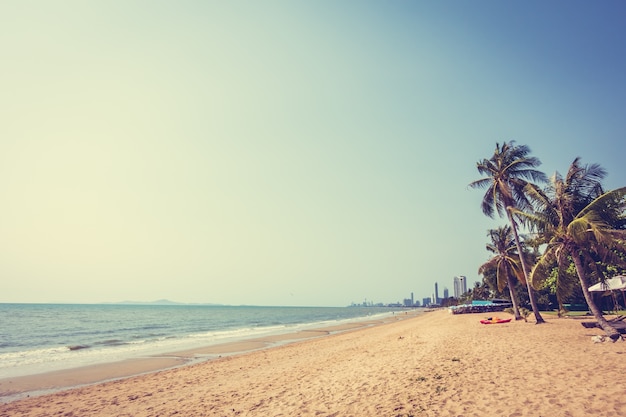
x=34, y=385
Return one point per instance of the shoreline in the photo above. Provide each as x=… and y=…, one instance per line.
x=34, y=385
x=426, y=365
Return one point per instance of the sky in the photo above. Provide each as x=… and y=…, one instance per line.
x=306, y=153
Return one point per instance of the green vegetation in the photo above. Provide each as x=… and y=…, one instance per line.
x=576, y=220
x=579, y=313
x=578, y=231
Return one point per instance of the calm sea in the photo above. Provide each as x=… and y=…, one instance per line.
x=36, y=338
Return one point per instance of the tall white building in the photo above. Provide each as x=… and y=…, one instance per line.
x=460, y=286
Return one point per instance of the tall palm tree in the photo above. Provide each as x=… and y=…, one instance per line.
x=505, y=261
x=508, y=172
x=577, y=218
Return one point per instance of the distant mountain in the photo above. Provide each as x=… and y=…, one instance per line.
x=162, y=302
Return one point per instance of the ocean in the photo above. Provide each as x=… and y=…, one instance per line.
x=38, y=338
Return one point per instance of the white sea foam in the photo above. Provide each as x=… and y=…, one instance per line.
x=117, y=347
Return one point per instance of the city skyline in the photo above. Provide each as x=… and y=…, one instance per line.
x=459, y=285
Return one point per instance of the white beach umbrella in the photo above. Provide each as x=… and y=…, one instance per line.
x=617, y=283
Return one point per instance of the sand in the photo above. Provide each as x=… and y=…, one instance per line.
x=435, y=364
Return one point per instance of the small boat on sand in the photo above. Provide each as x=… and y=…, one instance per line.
x=495, y=320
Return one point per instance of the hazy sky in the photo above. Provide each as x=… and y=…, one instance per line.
x=283, y=152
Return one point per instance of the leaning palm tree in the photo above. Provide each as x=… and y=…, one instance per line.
x=505, y=261
x=508, y=172
x=576, y=218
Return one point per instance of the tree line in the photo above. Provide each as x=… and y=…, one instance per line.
x=563, y=232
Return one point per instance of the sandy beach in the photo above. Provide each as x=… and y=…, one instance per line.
x=434, y=364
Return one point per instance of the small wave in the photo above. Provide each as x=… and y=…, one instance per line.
x=78, y=347
x=112, y=342
x=152, y=327
x=152, y=335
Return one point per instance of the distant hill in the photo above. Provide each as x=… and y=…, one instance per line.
x=162, y=302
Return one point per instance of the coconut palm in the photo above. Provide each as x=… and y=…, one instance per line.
x=508, y=172
x=577, y=220
x=480, y=292
x=505, y=261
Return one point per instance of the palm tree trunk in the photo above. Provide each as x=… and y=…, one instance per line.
x=531, y=291
x=597, y=313
x=509, y=281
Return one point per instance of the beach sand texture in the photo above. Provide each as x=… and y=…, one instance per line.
x=435, y=364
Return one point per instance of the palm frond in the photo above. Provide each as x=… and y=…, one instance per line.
x=541, y=270
x=481, y=183
x=507, y=172
x=614, y=199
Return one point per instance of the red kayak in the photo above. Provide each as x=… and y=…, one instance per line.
x=495, y=320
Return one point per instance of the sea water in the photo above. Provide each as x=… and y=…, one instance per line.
x=37, y=338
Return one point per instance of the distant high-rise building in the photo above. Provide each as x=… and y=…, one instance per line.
x=463, y=284
x=446, y=293
x=426, y=301
x=460, y=286
x=436, y=295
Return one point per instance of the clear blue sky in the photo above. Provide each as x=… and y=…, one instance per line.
x=283, y=152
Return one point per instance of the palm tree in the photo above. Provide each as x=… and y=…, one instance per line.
x=480, y=291
x=576, y=218
x=508, y=172
x=505, y=261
